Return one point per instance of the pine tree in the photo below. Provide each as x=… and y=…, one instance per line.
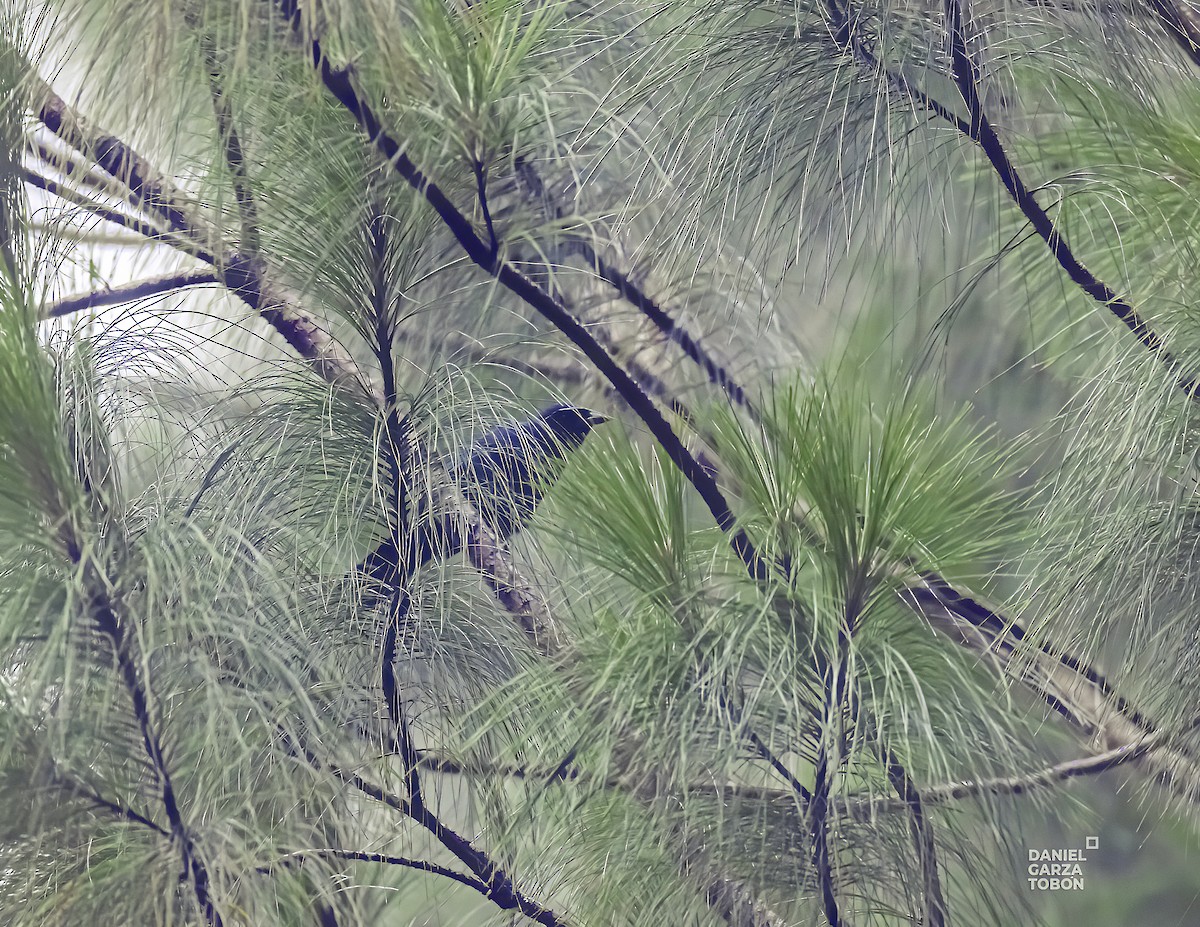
x=891, y=533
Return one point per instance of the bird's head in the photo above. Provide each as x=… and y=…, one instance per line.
x=571, y=424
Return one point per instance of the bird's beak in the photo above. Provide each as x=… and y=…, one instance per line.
x=595, y=418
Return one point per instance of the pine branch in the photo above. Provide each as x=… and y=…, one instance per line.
x=936, y=912
x=129, y=292
x=339, y=84
x=148, y=188
x=981, y=131
x=77, y=787
x=299, y=856
x=54, y=188
x=252, y=283
x=235, y=158
x=104, y=614
x=500, y=888
x=71, y=166
x=818, y=811
x=866, y=806
x=394, y=455
x=860, y=806
x=844, y=29
x=847, y=36
x=730, y=707
x=1182, y=23
x=637, y=297
x=246, y=277
x=1077, y=691
x=515, y=592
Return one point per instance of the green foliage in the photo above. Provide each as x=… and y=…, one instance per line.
x=210, y=715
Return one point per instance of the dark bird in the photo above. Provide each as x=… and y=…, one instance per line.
x=504, y=475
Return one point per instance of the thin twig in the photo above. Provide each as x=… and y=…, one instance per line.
x=235, y=158
x=69, y=783
x=299, y=856
x=866, y=806
x=860, y=806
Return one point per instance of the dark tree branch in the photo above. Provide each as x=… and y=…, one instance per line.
x=936, y=912
x=420, y=865
x=481, y=178
x=846, y=34
x=148, y=189
x=500, y=888
x=77, y=787
x=129, y=292
x=639, y=298
x=1077, y=691
x=818, y=807
x=863, y=807
x=845, y=31
x=666, y=324
x=243, y=275
x=235, y=158
x=76, y=168
x=1182, y=23
x=394, y=454
x=818, y=810
x=54, y=188
x=984, y=135
x=116, y=173
x=860, y=806
x=760, y=746
x=103, y=611
x=339, y=84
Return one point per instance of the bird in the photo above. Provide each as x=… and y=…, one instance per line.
x=504, y=475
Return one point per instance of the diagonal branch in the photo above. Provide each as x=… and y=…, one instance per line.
x=500, y=888
x=844, y=29
x=54, y=188
x=339, y=84
x=1182, y=22
x=105, y=615
x=129, y=292
x=1077, y=691
x=984, y=135
x=421, y=865
x=79, y=788
x=637, y=297
x=148, y=188
x=246, y=277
